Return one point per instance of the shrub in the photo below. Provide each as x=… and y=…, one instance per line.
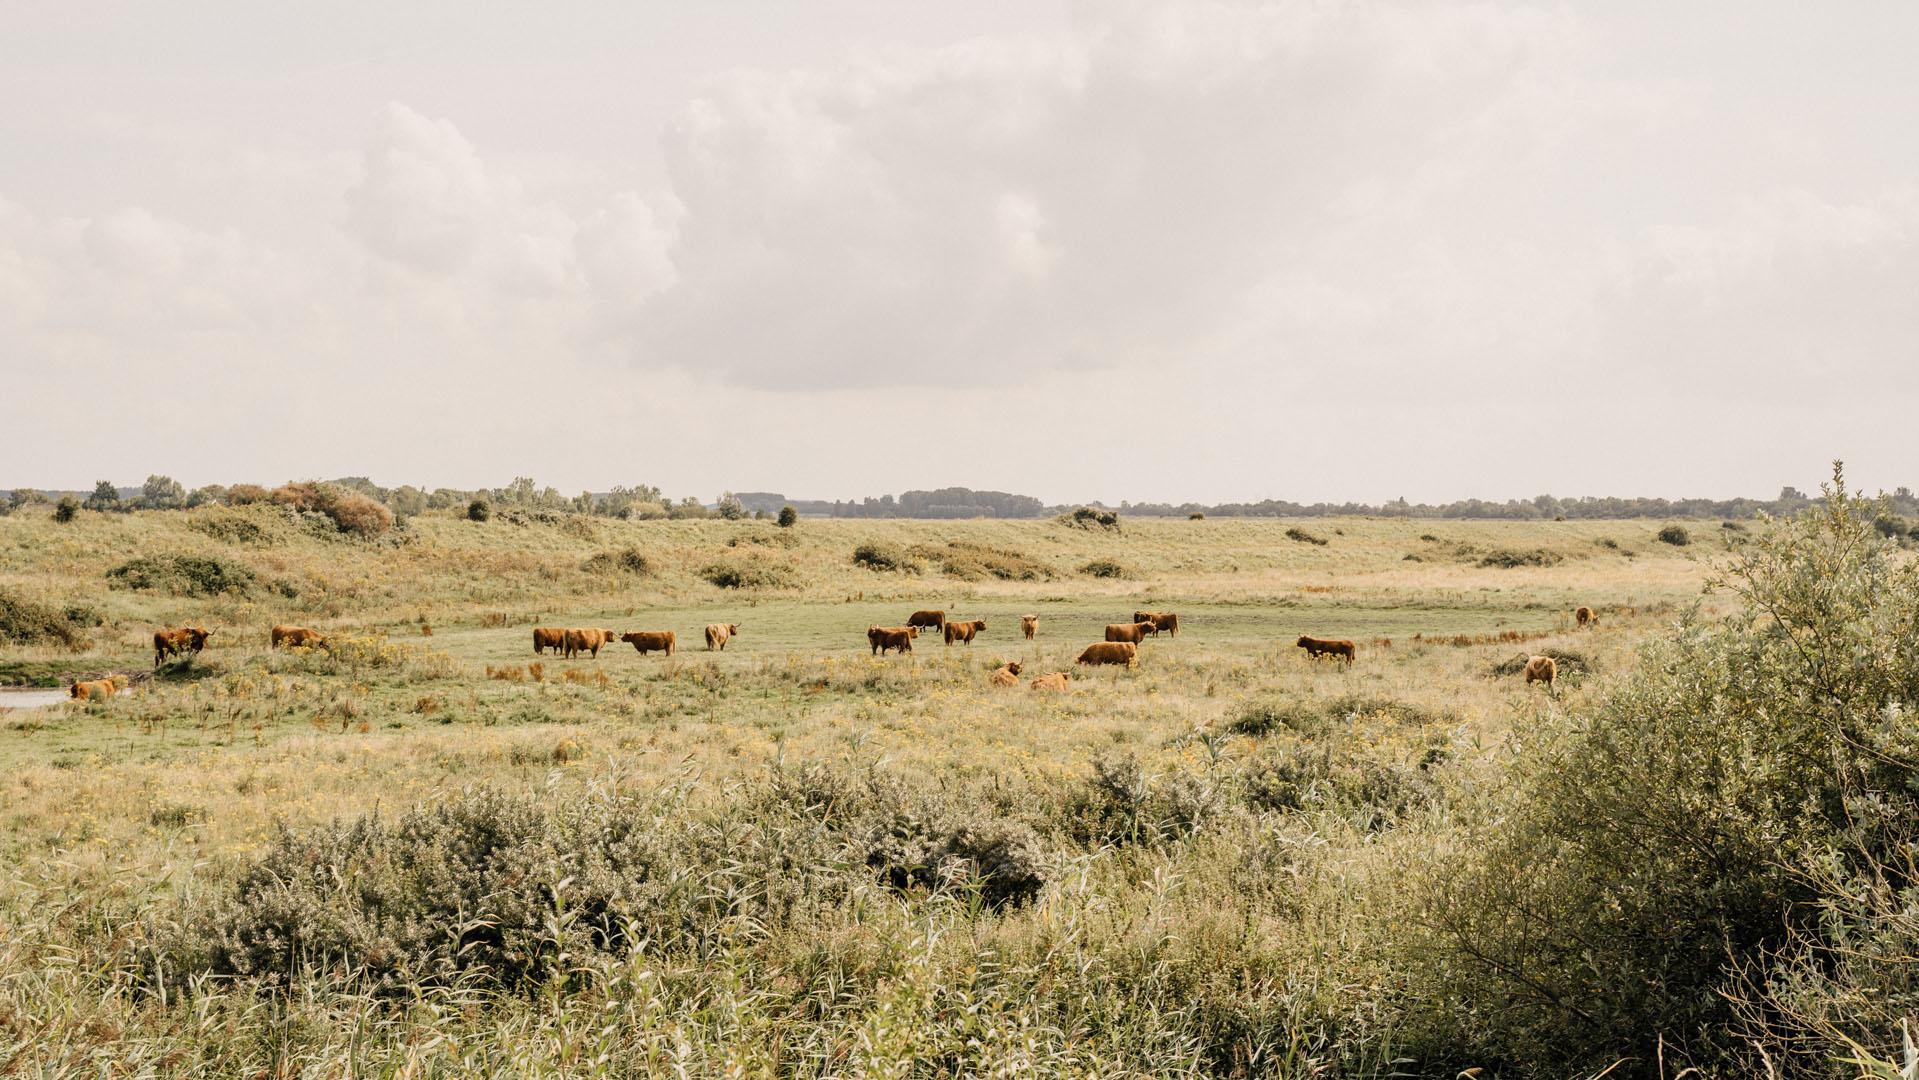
x=66, y=509
x=1676, y=535
x=747, y=575
x=235, y=526
x=1311, y=717
x=1302, y=536
x=977, y=562
x=1088, y=518
x=184, y=575
x=105, y=497
x=479, y=510
x=625, y=561
x=1706, y=855
x=1373, y=794
x=1103, y=568
x=731, y=508
x=247, y=494
x=883, y=557
x=1195, y=516
x=1569, y=662
x=1507, y=559
x=789, y=517
x=28, y=622
x=350, y=512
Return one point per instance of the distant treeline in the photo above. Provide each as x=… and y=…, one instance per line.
x=644, y=501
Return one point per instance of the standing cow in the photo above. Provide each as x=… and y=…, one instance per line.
x=964, y=631
x=717, y=635
x=1029, y=625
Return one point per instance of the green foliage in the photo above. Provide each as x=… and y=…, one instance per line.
x=1088, y=518
x=162, y=493
x=185, y=575
x=65, y=510
x=1314, y=717
x=1103, y=568
x=977, y=562
x=746, y=575
x=479, y=510
x=1300, y=535
x=877, y=556
x=257, y=527
x=1698, y=858
x=1506, y=559
x=1568, y=662
x=28, y=622
x=731, y=508
x=105, y=496
x=1676, y=535
x=625, y=561
x=789, y=517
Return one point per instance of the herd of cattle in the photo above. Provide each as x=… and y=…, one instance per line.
x=1121, y=647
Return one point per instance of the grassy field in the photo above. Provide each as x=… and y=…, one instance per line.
x=1223, y=844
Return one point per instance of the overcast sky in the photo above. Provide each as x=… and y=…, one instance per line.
x=1210, y=251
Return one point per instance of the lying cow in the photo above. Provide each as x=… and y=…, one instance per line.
x=1110, y=652
x=931, y=620
x=646, y=641
x=1166, y=622
x=899, y=638
x=589, y=640
x=96, y=689
x=1339, y=648
x=1541, y=669
x=1008, y=675
x=181, y=641
x=717, y=634
x=1029, y=625
x=548, y=637
x=1134, y=632
x=1052, y=680
x=298, y=637
x=964, y=631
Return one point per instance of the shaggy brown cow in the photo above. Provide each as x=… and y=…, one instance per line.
x=1111, y=652
x=1541, y=669
x=185, y=640
x=1052, y=680
x=646, y=641
x=1134, y=632
x=718, y=633
x=89, y=690
x=548, y=637
x=587, y=640
x=883, y=638
x=933, y=620
x=1029, y=625
x=964, y=631
x=1339, y=648
x=1163, y=621
x=299, y=637
x=1008, y=675
x=1585, y=616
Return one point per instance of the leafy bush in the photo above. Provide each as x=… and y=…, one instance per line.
x=977, y=562
x=184, y=575
x=1676, y=535
x=1302, y=536
x=731, y=508
x=247, y=494
x=746, y=575
x=883, y=557
x=28, y=622
x=789, y=517
x=1103, y=568
x=1506, y=559
x=479, y=510
x=625, y=561
x=1707, y=857
x=1088, y=518
x=1315, y=717
x=1196, y=516
x=1373, y=794
x=236, y=526
x=65, y=510
x=350, y=512
x=1568, y=662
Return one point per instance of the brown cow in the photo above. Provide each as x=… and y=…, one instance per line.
x=1585, y=616
x=1541, y=669
x=1029, y=625
x=587, y=640
x=1111, y=652
x=1134, y=632
x=718, y=633
x=1052, y=680
x=964, y=631
x=883, y=638
x=1339, y=648
x=185, y=640
x=90, y=690
x=646, y=641
x=548, y=637
x=932, y=620
x=1008, y=675
x=1163, y=621
x=299, y=637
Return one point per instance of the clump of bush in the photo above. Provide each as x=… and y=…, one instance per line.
x=789, y=517
x=1087, y=517
x=1676, y=535
x=1103, y=568
x=884, y=557
x=784, y=540
x=235, y=526
x=1300, y=535
x=185, y=575
x=625, y=561
x=746, y=575
x=1508, y=559
x=66, y=509
x=1375, y=795
x=479, y=510
x=977, y=562
x=350, y=512
x=1312, y=717
x=1569, y=662
x=29, y=622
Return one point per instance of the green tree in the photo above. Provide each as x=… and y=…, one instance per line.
x=788, y=517
x=105, y=496
x=478, y=510
x=66, y=509
x=162, y=493
x=730, y=507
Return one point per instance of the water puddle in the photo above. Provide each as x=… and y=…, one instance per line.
x=13, y=698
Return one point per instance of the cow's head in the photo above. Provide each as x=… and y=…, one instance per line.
x=1012, y=667
x=1303, y=639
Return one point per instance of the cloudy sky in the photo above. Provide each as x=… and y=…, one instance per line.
x=1199, y=250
